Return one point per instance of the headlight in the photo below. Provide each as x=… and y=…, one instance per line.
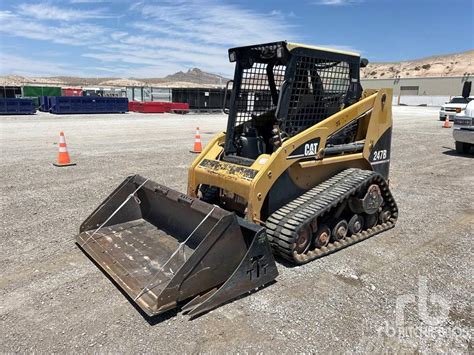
x=443, y=108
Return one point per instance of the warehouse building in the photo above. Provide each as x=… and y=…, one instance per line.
x=10, y=91
x=431, y=91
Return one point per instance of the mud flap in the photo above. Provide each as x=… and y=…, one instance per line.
x=163, y=248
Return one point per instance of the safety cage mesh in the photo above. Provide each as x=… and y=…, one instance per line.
x=254, y=96
x=318, y=91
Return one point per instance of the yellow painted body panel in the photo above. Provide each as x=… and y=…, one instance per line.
x=292, y=45
x=254, y=184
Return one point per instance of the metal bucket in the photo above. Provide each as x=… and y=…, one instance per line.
x=163, y=247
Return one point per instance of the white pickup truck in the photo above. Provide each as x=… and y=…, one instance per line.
x=463, y=129
x=454, y=106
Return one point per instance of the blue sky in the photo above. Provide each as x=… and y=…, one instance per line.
x=155, y=38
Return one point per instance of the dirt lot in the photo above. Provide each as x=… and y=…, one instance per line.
x=53, y=299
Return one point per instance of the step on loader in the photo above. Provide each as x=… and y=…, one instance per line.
x=301, y=172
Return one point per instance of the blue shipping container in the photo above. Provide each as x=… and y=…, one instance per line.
x=10, y=106
x=85, y=104
x=44, y=103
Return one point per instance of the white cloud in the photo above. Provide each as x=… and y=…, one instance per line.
x=91, y=1
x=336, y=2
x=14, y=64
x=221, y=24
x=118, y=35
x=158, y=39
x=79, y=34
x=45, y=11
x=6, y=14
x=190, y=34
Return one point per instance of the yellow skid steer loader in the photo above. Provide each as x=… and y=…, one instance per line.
x=301, y=172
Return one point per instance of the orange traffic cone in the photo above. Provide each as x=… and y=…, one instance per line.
x=63, y=155
x=446, y=122
x=197, y=142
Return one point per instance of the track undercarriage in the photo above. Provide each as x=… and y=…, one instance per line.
x=351, y=206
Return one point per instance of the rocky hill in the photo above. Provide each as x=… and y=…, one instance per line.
x=457, y=64
x=192, y=78
x=197, y=76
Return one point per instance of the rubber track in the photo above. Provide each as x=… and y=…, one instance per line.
x=282, y=225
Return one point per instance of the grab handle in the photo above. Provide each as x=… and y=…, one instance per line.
x=225, y=109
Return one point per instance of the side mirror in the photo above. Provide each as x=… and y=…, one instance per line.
x=225, y=108
x=364, y=62
x=466, y=89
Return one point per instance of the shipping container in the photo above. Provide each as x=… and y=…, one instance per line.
x=132, y=106
x=104, y=92
x=147, y=107
x=146, y=94
x=83, y=104
x=158, y=107
x=199, y=99
x=44, y=103
x=16, y=106
x=36, y=91
x=161, y=94
x=10, y=92
x=156, y=94
x=129, y=93
x=176, y=107
x=114, y=92
x=35, y=99
x=71, y=91
x=95, y=92
x=138, y=94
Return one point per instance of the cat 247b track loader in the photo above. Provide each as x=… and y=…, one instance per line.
x=301, y=171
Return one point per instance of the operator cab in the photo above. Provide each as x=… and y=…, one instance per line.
x=280, y=89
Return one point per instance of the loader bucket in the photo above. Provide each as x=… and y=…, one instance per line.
x=163, y=247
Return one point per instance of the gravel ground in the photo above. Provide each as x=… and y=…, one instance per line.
x=53, y=299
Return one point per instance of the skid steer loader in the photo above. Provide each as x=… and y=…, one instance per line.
x=301, y=172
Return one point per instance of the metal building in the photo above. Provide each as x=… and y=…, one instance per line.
x=146, y=93
x=431, y=91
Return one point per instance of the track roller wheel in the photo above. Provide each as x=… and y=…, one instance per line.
x=339, y=231
x=303, y=241
x=322, y=236
x=384, y=216
x=356, y=224
x=370, y=220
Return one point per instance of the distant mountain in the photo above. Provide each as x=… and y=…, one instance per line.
x=192, y=78
x=197, y=76
x=457, y=64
